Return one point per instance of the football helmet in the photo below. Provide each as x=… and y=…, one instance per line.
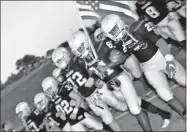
x=41, y=101
x=79, y=44
x=114, y=27
x=50, y=87
x=57, y=75
x=61, y=57
x=23, y=110
x=99, y=35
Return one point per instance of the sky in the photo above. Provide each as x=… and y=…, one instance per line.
x=33, y=27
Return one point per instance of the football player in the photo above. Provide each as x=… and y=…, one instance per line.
x=115, y=55
x=167, y=22
x=54, y=120
x=79, y=41
x=68, y=101
x=131, y=65
x=141, y=41
x=77, y=75
x=32, y=120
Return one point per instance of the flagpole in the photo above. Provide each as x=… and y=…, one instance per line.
x=133, y=8
x=86, y=33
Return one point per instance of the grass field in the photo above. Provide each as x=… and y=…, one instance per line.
x=25, y=89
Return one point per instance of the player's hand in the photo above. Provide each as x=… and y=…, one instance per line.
x=90, y=82
x=171, y=68
x=73, y=116
x=102, y=69
x=171, y=5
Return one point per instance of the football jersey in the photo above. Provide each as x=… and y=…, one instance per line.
x=155, y=10
x=51, y=115
x=142, y=43
x=64, y=103
x=35, y=120
x=103, y=50
x=76, y=75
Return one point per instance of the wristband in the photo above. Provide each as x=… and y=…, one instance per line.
x=169, y=57
x=75, y=110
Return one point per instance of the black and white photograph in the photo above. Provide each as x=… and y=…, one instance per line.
x=93, y=65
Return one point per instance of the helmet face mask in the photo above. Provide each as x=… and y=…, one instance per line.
x=60, y=78
x=114, y=27
x=61, y=57
x=51, y=92
x=57, y=75
x=50, y=87
x=41, y=101
x=99, y=35
x=79, y=45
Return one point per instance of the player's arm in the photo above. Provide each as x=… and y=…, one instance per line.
x=46, y=124
x=25, y=125
x=116, y=57
x=78, y=100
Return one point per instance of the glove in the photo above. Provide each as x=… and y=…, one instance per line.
x=171, y=67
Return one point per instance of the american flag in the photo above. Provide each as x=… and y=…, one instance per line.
x=95, y=9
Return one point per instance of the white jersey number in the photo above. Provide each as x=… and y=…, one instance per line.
x=64, y=107
x=79, y=78
x=109, y=44
x=109, y=70
x=149, y=26
x=152, y=12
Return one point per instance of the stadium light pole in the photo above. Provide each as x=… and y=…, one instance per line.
x=88, y=37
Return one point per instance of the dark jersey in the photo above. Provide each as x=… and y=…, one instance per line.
x=64, y=103
x=35, y=120
x=155, y=10
x=103, y=50
x=76, y=75
x=52, y=117
x=143, y=41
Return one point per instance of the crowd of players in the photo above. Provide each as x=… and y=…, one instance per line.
x=91, y=77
